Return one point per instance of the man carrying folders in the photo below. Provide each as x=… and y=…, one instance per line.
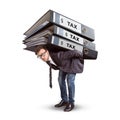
x=63, y=44
x=68, y=63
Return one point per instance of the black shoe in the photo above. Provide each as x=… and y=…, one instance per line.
x=62, y=103
x=69, y=107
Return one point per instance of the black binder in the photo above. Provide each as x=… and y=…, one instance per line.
x=62, y=33
x=52, y=17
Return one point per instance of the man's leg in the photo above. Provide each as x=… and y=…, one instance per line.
x=63, y=90
x=71, y=86
x=62, y=85
x=71, y=91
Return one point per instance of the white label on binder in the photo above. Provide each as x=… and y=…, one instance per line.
x=67, y=44
x=70, y=24
x=70, y=35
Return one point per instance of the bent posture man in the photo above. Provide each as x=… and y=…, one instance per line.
x=69, y=63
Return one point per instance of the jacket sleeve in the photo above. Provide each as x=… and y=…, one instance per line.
x=70, y=54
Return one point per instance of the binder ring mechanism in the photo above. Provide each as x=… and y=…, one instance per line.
x=85, y=42
x=85, y=51
x=84, y=30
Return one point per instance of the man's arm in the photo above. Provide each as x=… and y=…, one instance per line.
x=70, y=54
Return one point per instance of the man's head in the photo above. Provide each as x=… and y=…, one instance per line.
x=42, y=52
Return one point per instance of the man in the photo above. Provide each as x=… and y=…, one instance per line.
x=69, y=63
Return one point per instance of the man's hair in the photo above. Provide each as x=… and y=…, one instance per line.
x=38, y=48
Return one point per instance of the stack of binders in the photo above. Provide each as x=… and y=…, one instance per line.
x=60, y=33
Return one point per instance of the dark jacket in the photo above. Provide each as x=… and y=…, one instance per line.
x=69, y=61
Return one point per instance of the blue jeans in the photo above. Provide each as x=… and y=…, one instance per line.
x=70, y=86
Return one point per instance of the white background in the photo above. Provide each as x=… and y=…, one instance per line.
x=24, y=89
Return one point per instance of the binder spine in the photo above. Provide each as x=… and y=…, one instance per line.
x=73, y=26
x=66, y=22
x=73, y=37
x=65, y=43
